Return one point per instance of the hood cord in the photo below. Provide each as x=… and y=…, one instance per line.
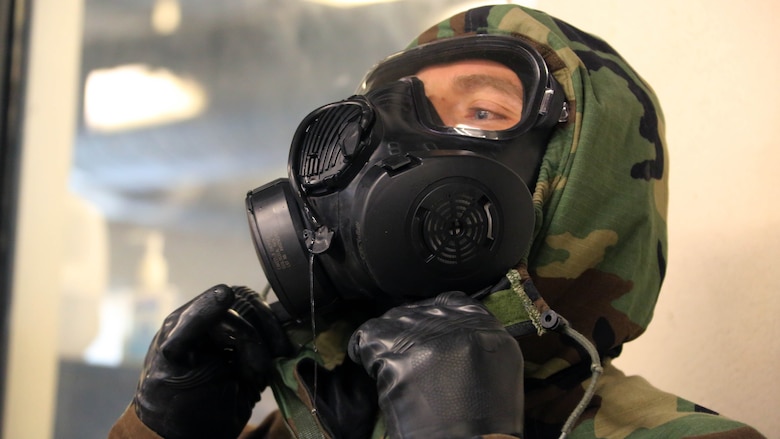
x=545, y=319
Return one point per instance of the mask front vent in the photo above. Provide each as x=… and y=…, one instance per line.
x=456, y=224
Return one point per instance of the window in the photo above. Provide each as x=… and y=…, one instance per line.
x=148, y=124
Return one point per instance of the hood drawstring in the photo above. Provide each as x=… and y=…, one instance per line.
x=546, y=319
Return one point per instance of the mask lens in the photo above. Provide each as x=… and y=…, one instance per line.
x=479, y=95
x=542, y=100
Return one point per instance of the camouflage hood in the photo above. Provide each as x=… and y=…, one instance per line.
x=598, y=256
x=599, y=250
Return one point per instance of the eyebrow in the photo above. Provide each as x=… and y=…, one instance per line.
x=477, y=81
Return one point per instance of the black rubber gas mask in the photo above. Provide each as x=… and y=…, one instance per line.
x=387, y=203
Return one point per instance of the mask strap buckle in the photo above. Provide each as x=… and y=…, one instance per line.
x=318, y=241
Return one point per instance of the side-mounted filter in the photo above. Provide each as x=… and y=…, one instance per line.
x=277, y=228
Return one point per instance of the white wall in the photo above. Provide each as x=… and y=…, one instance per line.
x=48, y=132
x=715, y=338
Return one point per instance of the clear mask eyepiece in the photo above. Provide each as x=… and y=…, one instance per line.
x=474, y=95
x=486, y=86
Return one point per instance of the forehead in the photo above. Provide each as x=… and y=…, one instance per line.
x=467, y=77
x=470, y=67
x=464, y=51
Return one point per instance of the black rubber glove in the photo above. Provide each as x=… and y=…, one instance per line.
x=208, y=365
x=444, y=367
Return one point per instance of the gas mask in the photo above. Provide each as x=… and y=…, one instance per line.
x=387, y=201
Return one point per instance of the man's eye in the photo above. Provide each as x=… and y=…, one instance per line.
x=484, y=118
x=482, y=115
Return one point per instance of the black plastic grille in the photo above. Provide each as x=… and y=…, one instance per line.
x=457, y=228
x=328, y=144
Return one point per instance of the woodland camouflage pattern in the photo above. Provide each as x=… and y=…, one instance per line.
x=599, y=252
